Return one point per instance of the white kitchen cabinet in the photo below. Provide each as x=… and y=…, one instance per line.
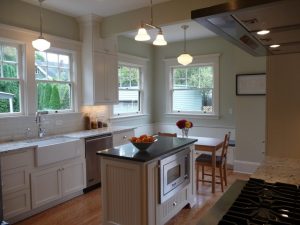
x=53, y=183
x=105, y=79
x=121, y=138
x=100, y=64
x=45, y=186
x=15, y=172
x=73, y=177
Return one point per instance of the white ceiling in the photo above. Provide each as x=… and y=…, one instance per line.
x=98, y=7
x=105, y=8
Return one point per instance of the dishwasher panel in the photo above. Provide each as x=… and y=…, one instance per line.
x=93, y=167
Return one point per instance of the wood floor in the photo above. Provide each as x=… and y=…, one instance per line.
x=86, y=209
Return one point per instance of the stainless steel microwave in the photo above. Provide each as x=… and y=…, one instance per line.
x=174, y=174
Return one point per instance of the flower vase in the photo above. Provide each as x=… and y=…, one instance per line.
x=185, y=132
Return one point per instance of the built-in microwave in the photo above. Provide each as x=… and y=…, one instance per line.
x=174, y=173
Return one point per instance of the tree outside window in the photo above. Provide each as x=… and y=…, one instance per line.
x=10, y=78
x=54, y=85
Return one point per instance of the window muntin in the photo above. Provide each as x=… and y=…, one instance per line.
x=10, y=78
x=53, y=75
x=129, y=90
x=192, y=89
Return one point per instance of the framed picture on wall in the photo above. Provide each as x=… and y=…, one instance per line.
x=251, y=84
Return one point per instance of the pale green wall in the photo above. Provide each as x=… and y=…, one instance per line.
x=227, y=79
x=20, y=14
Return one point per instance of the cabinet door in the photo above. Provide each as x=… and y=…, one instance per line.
x=111, y=78
x=16, y=203
x=46, y=186
x=15, y=179
x=73, y=177
x=105, y=78
x=99, y=85
x=121, y=138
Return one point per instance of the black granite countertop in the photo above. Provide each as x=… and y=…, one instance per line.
x=163, y=147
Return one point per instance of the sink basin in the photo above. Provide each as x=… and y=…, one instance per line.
x=57, y=148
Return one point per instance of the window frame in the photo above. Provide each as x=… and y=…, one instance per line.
x=135, y=61
x=20, y=78
x=72, y=82
x=201, y=60
x=140, y=90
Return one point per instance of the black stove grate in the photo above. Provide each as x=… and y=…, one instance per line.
x=262, y=203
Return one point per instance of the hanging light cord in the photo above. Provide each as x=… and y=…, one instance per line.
x=151, y=19
x=41, y=19
x=184, y=27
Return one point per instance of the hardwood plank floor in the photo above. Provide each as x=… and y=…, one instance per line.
x=86, y=209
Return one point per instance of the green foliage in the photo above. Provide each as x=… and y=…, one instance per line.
x=65, y=103
x=47, y=96
x=54, y=99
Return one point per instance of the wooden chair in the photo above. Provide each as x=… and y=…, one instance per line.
x=205, y=160
x=167, y=134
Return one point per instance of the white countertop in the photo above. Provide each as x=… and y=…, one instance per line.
x=273, y=169
x=24, y=144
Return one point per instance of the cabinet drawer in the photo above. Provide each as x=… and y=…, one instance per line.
x=16, y=203
x=15, y=179
x=122, y=137
x=172, y=206
x=16, y=160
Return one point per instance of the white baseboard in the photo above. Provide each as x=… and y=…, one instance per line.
x=245, y=166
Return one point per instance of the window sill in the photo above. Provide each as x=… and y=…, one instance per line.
x=191, y=115
x=127, y=117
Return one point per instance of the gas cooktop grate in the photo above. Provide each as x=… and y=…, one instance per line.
x=262, y=203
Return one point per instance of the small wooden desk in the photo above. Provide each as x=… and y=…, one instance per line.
x=209, y=145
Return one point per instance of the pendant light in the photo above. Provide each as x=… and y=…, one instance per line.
x=143, y=35
x=41, y=44
x=185, y=58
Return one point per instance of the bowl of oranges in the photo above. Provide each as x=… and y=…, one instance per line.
x=142, y=142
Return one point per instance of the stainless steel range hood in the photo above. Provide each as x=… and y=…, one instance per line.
x=239, y=20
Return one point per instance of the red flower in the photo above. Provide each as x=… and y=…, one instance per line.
x=184, y=124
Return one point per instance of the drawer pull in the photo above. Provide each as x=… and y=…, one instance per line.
x=174, y=203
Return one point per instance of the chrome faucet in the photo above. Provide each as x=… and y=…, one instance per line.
x=38, y=120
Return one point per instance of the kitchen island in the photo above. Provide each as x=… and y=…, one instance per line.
x=147, y=187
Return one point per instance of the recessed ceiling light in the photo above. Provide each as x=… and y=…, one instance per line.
x=274, y=46
x=263, y=32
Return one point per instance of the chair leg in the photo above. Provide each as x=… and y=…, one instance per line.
x=221, y=178
x=202, y=174
x=225, y=174
x=197, y=177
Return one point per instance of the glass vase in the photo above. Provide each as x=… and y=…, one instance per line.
x=185, y=132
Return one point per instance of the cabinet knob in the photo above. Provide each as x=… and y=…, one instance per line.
x=124, y=137
x=174, y=203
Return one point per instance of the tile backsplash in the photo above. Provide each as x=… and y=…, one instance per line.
x=16, y=128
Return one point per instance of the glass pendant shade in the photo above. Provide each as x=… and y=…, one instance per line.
x=41, y=44
x=160, y=40
x=142, y=35
x=185, y=59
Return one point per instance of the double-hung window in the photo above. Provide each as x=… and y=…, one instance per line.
x=129, y=90
x=54, y=79
x=11, y=78
x=194, y=88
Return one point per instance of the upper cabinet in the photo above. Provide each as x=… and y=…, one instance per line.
x=99, y=64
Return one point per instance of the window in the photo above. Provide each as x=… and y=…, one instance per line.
x=53, y=75
x=129, y=90
x=194, y=88
x=10, y=78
